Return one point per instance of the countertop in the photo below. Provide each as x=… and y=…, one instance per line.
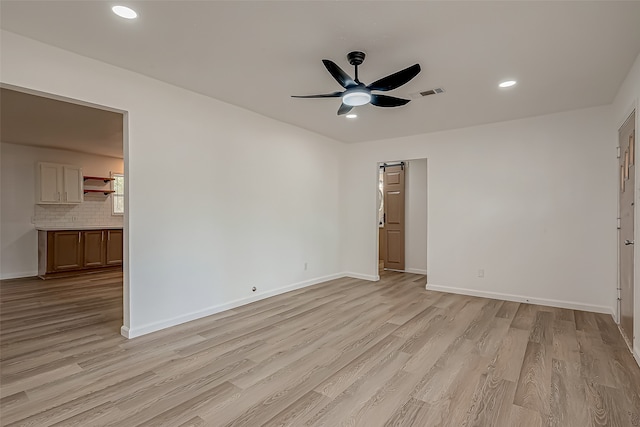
x=80, y=227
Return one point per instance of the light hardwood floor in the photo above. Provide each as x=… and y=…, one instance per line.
x=346, y=352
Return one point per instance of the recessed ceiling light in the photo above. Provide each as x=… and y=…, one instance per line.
x=124, y=12
x=351, y=116
x=508, y=83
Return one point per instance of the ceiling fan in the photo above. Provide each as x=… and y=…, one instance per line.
x=357, y=93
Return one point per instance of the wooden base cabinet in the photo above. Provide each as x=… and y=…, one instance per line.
x=63, y=251
x=66, y=250
x=94, y=248
x=114, y=247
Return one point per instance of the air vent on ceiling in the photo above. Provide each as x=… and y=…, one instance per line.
x=432, y=91
x=422, y=94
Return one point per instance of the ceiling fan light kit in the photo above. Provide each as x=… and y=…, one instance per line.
x=357, y=93
x=356, y=97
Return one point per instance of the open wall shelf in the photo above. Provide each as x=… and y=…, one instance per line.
x=98, y=178
x=93, y=190
x=97, y=185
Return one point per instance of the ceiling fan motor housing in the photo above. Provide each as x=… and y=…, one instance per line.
x=355, y=58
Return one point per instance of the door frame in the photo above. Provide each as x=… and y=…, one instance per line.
x=126, y=313
x=377, y=229
x=630, y=119
x=633, y=107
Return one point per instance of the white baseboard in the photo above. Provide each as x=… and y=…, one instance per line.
x=130, y=332
x=369, y=277
x=519, y=298
x=636, y=356
x=408, y=270
x=18, y=275
x=124, y=331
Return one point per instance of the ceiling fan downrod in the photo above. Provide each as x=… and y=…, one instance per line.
x=356, y=58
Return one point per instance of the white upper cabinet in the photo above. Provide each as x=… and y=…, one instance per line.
x=73, y=184
x=59, y=184
x=49, y=188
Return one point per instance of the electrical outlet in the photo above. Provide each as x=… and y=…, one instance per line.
x=481, y=273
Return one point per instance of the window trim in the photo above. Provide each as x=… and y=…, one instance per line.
x=114, y=195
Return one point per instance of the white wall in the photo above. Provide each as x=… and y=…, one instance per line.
x=19, y=215
x=219, y=199
x=532, y=202
x=628, y=99
x=416, y=216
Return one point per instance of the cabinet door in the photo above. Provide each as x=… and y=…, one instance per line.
x=73, y=183
x=66, y=250
x=114, y=247
x=94, y=248
x=49, y=183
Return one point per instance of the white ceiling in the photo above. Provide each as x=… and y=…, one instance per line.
x=44, y=122
x=565, y=55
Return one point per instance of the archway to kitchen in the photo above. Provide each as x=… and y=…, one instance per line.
x=71, y=155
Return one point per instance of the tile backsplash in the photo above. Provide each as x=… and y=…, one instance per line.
x=91, y=212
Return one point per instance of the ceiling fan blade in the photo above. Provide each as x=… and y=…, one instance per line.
x=395, y=80
x=387, y=101
x=344, y=109
x=337, y=73
x=324, y=95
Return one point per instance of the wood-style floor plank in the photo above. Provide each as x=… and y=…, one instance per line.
x=345, y=352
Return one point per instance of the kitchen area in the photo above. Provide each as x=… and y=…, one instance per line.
x=90, y=241
x=62, y=185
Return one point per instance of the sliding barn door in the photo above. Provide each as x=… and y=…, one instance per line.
x=394, y=217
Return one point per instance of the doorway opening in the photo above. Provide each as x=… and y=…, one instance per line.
x=66, y=159
x=402, y=216
x=626, y=231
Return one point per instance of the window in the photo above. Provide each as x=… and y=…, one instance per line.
x=118, y=196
